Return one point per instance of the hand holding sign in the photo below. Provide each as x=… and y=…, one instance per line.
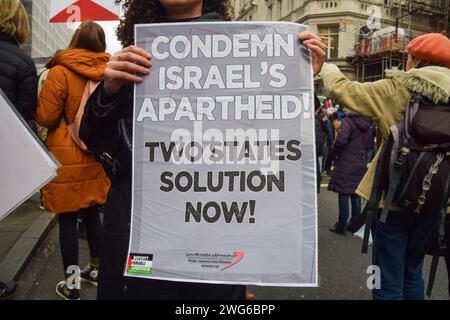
x=317, y=47
x=126, y=63
x=123, y=67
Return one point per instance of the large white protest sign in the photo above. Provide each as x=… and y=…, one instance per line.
x=224, y=187
x=25, y=165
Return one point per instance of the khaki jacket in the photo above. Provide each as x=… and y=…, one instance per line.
x=385, y=100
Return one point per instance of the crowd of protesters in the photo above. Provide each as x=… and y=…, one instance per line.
x=346, y=124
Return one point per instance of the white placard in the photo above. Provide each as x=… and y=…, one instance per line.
x=25, y=164
x=224, y=183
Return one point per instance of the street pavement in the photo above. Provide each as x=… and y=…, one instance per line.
x=20, y=235
x=45, y=270
x=14, y=226
x=342, y=267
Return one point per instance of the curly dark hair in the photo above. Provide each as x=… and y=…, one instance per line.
x=151, y=11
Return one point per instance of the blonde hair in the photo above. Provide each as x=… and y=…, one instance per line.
x=14, y=20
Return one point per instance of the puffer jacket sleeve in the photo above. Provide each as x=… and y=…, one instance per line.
x=27, y=88
x=52, y=99
x=343, y=137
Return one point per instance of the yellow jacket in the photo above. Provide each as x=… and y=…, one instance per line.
x=385, y=100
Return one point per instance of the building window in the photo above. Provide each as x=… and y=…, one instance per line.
x=330, y=35
x=270, y=12
x=280, y=9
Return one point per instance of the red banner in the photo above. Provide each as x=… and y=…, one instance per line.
x=84, y=10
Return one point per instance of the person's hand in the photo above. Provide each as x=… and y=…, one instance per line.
x=317, y=47
x=125, y=66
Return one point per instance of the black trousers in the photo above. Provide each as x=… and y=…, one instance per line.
x=68, y=237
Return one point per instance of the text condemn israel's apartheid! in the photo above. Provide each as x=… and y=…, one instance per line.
x=204, y=108
x=256, y=107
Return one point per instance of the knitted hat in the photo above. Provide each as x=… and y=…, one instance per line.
x=431, y=47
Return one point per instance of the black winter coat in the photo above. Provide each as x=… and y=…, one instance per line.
x=99, y=131
x=18, y=77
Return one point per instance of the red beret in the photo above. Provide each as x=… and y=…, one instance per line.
x=431, y=47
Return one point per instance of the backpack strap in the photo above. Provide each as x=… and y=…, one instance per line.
x=372, y=206
x=410, y=113
x=399, y=166
x=437, y=254
x=442, y=246
x=394, y=131
x=426, y=183
x=370, y=227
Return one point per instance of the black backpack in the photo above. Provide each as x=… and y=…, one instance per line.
x=413, y=170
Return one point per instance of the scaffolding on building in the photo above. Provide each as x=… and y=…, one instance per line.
x=437, y=10
x=384, y=49
x=372, y=68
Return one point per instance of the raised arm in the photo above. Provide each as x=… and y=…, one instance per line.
x=371, y=99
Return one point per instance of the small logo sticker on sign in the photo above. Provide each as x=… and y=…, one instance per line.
x=140, y=264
